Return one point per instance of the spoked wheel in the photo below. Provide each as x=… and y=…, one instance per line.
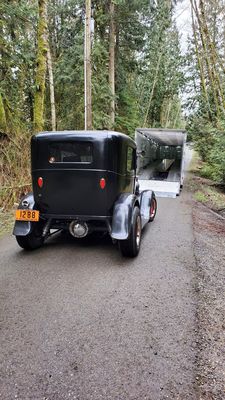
x=153, y=209
x=131, y=246
x=33, y=240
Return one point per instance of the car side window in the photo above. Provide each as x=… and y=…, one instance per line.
x=130, y=159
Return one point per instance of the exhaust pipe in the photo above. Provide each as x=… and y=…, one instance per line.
x=78, y=229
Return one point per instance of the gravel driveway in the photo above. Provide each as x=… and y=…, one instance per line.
x=80, y=322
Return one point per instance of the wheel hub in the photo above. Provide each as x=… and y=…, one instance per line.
x=152, y=209
x=138, y=232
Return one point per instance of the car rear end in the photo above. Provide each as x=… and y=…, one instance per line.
x=69, y=176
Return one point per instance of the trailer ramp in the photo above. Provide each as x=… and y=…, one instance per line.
x=161, y=188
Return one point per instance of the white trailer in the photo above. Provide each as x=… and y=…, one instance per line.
x=160, y=165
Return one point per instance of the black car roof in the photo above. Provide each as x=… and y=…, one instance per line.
x=60, y=135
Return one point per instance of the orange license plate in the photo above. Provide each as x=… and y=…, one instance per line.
x=27, y=215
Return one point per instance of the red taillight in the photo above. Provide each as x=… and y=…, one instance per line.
x=40, y=181
x=102, y=183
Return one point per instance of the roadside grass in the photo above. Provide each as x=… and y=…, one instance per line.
x=205, y=190
x=200, y=196
x=6, y=222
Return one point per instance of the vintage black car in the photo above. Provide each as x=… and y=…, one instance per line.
x=84, y=182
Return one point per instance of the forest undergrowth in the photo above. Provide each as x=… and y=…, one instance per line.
x=15, y=176
x=206, y=191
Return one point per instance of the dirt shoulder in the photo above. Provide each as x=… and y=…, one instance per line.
x=209, y=249
x=209, y=246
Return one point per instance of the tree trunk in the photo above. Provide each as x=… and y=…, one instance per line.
x=153, y=88
x=112, y=37
x=87, y=68
x=169, y=105
x=3, y=125
x=174, y=126
x=212, y=55
x=200, y=64
x=209, y=67
x=51, y=87
x=39, y=95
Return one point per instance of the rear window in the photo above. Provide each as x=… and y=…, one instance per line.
x=70, y=152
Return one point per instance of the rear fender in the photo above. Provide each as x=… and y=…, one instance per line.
x=145, y=200
x=122, y=216
x=23, y=228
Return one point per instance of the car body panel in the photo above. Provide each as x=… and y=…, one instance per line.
x=71, y=187
x=74, y=187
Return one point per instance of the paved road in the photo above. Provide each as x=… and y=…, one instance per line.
x=80, y=322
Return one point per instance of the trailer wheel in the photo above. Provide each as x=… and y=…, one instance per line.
x=131, y=246
x=153, y=209
x=32, y=241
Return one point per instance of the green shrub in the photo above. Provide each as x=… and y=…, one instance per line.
x=217, y=158
x=209, y=141
x=202, y=133
x=207, y=171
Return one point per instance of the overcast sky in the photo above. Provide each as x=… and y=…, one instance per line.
x=183, y=21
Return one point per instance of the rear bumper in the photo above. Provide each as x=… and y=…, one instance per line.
x=76, y=217
x=95, y=223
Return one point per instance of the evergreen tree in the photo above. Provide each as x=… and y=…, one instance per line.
x=136, y=71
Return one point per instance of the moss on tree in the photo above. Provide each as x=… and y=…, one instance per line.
x=42, y=47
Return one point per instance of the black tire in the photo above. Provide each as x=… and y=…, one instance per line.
x=131, y=246
x=153, y=209
x=32, y=241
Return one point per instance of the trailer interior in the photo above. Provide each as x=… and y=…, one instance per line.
x=160, y=165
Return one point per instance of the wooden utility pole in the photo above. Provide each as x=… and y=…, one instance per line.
x=112, y=38
x=87, y=68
